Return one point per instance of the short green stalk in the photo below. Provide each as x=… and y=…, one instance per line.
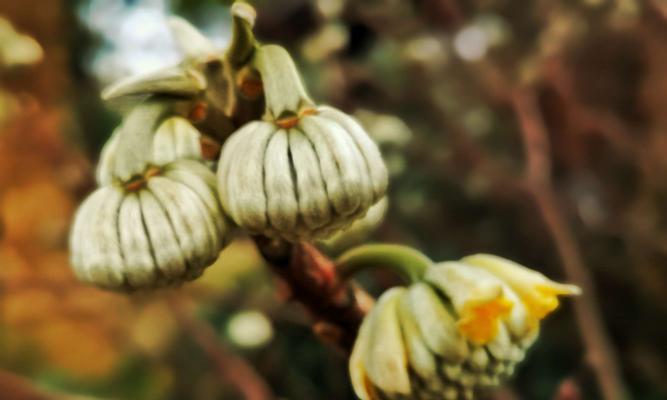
x=406, y=261
x=284, y=91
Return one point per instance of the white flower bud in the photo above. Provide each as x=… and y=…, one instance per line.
x=460, y=331
x=158, y=230
x=300, y=178
x=175, y=138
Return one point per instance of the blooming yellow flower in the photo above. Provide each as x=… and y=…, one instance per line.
x=459, y=330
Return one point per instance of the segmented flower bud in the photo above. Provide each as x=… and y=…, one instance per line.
x=155, y=230
x=459, y=331
x=174, y=139
x=300, y=178
x=359, y=230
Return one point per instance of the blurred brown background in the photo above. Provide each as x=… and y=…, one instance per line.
x=534, y=130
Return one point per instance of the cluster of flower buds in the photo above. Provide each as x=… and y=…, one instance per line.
x=458, y=330
x=156, y=219
x=294, y=171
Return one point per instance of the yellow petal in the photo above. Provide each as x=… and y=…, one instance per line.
x=477, y=296
x=480, y=323
x=538, y=293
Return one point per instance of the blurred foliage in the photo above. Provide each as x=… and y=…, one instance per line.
x=426, y=78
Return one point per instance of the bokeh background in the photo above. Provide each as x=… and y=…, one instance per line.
x=536, y=130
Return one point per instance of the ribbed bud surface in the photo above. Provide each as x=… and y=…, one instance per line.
x=163, y=230
x=300, y=181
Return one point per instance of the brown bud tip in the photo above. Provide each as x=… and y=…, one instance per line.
x=249, y=83
x=210, y=148
x=288, y=122
x=198, y=112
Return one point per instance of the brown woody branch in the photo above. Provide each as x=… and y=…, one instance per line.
x=337, y=306
x=231, y=368
x=601, y=355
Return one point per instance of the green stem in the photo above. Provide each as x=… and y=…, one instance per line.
x=284, y=91
x=406, y=261
x=243, y=40
x=135, y=138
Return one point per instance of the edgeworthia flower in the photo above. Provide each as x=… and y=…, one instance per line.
x=459, y=330
x=304, y=171
x=157, y=222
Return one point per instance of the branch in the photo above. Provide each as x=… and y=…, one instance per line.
x=600, y=353
x=337, y=306
x=232, y=368
x=15, y=387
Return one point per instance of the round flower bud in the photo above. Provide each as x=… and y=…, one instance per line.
x=359, y=230
x=158, y=229
x=174, y=139
x=459, y=331
x=300, y=178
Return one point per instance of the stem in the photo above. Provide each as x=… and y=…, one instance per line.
x=232, y=368
x=283, y=88
x=243, y=40
x=336, y=306
x=601, y=354
x=406, y=261
x=135, y=139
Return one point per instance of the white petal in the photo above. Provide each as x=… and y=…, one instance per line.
x=186, y=219
x=186, y=138
x=245, y=180
x=282, y=207
x=386, y=362
x=81, y=230
x=227, y=156
x=177, y=81
x=368, y=148
x=190, y=40
x=313, y=200
x=436, y=324
x=164, y=150
x=338, y=166
x=139, y=264
x=168, y=254
x=422, y=361
x=100, y=252
x=358, y=374
x=202, y=182
x=107, y=157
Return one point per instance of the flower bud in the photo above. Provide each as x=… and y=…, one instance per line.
x=156, y=230
x=359, y=230
x=460, y=330
x=300, y=178
x=174, y=139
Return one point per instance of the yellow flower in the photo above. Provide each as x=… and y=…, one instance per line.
x=459, y=329
x=538, y=293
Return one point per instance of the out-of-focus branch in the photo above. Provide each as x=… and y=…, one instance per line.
x=600, y=353
x=17, y=388
x=232, y=368
x=338, y=307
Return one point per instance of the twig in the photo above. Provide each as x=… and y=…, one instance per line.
x=231, y=367
x=600, y=353
x=15, y=387
x=337, y=306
